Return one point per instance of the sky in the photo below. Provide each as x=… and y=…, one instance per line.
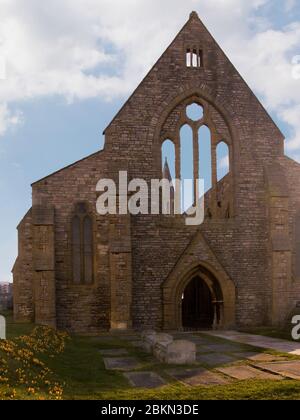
x=66, y=67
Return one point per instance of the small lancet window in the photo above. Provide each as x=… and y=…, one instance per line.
x=168, y=156
x=188, y=58
x=82, y=246
x=168, y=173
x=200, y=58
x=194, y=58
x=187, y=167
x=205, y=162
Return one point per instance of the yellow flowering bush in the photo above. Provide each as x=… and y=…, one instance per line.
x=21, y=367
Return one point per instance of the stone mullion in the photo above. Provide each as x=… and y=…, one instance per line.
x=81, y=250
x=178, y=171
x=214, y=170
x=196, y=163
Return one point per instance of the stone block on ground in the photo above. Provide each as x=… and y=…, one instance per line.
x=146, y=333
x=153, y=338
x=179, y=352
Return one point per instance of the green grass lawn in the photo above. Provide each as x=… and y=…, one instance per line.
x=81, y=370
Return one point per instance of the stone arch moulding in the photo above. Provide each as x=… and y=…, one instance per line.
x=221, y=286
x=203, y=92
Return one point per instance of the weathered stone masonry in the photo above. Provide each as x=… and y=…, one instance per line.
x=247, y=255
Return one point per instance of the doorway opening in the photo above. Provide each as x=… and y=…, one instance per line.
x=197, y=305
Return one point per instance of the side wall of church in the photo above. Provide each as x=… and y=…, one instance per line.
x=82, y=308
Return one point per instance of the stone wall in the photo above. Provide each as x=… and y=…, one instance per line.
x=23, y=273
x=134, y=137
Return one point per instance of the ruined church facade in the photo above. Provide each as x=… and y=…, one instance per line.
x=83, y=272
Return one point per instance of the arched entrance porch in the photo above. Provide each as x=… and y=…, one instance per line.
x=201, y=298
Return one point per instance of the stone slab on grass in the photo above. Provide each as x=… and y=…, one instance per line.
x=247, y=372
x=196, y=377
x=145, y=379
x=287, y=369
x=260, y=357
x=215, y=359
x=282, y=346
x=121, y=363
x=224, y=348
x=113, y=352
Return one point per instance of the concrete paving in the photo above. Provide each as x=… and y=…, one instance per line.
x=282, y=346
x=121, y=363
x=243, y=373
x=145, y=379
x=289, y=369
x=196, y=377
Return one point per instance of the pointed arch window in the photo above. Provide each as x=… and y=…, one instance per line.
x=187, y=167
x=205, y=162
x=82, y=246
x=199, y=155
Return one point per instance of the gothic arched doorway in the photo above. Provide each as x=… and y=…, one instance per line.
x=197, y=305
x=217, y=294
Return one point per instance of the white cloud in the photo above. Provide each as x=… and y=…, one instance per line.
x=87, y=48
x=289, y=5
x=8, y=119
x=291, y=115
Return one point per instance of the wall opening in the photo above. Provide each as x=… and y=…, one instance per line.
x=168, y=156
x=195, y=112
x=188, y=58
x=223, y=165
x=205, y=163
x=197, y=305
x=198, y=151
x=194, y=58
x=186, y=167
